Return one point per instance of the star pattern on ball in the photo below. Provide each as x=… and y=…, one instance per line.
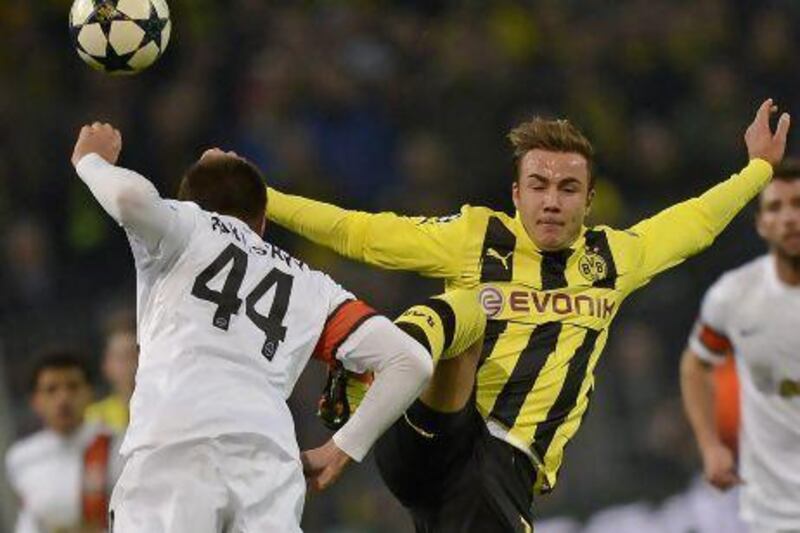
x=114, y=62
x=105, y=14
x=106, y=24
x=153, y=28
x=74, y=32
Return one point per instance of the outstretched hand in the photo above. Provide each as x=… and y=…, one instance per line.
x=101, y=139
x=761, y=142
x=322, y=466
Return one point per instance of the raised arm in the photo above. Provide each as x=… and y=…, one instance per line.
x=429, y=246
x=128, y=197
x=689, y=227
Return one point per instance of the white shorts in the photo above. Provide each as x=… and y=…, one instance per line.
x=230, y=484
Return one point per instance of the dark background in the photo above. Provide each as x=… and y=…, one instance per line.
x=401, y=106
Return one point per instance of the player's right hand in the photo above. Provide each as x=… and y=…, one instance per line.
x=761, y=142
x=322, y=466
x=101, y=139
x=719, y=466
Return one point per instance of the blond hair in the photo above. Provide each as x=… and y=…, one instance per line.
x=553, y=136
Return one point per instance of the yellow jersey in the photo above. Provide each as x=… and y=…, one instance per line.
x=548, y=312
x=111, y=411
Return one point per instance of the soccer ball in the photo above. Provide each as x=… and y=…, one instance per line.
x=120, y=36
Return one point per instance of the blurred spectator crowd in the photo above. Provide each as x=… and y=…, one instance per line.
x=398, y=105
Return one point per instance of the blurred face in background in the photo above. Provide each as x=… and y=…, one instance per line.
x=552, y=196
x=778, y=218
x=60, y=398
x=120, y=360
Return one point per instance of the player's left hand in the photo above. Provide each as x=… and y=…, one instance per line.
x=101, y=139
x=322, y=466
x=761, y=142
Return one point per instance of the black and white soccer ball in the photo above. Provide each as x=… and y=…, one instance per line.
x=120, y=36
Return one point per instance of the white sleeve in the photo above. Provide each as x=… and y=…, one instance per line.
x=402, y=367
x=709, y=338
x=134, y=203
x=26, y=523
x=334, y=294
x=12, y=472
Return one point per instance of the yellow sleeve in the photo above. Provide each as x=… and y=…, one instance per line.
x=691, y=226
x=430, y=246
x=447, y=324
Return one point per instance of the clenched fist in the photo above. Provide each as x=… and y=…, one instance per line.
x=100, y=139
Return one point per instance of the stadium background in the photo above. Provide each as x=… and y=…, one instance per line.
x=402, y=106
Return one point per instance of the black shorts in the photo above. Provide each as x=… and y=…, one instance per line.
x=453, y=475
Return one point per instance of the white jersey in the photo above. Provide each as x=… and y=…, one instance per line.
x=750, y=313
x=47, y=472
x=227, y=322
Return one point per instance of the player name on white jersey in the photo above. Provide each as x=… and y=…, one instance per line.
x=227, y=322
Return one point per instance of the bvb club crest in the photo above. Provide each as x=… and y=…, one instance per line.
x=592, y=266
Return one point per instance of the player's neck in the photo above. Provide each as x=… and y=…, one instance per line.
x=66, y=433
x=787, y=269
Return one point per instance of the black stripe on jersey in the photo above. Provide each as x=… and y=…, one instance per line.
x=494, y=328
x=541, y=344
x=546, y=488
x=567, y=396
x=497, y=257
x=448, y=318
x=597, y=241
x=416, y=333
x=553, y=266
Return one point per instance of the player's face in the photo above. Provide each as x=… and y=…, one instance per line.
x=61, y=398
x=778, y=219
x=552, y=196
x=120, y=360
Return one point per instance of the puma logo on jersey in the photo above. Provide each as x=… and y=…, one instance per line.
x=491, y=252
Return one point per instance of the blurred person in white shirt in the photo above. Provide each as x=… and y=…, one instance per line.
x=62, y=475
x=753, y=314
